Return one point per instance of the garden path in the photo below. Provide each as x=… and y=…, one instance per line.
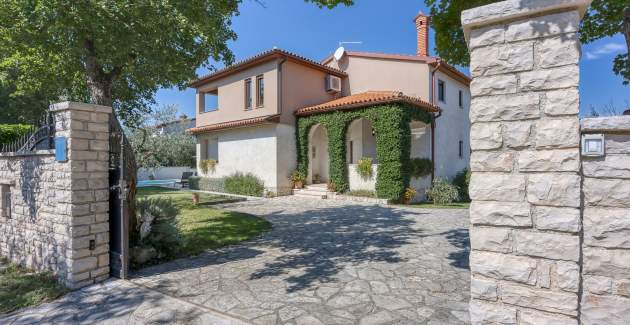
x=331, y=262
x=324, y=262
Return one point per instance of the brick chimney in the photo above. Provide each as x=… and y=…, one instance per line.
x=422, y=27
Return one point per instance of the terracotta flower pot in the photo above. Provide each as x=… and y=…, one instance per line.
x=195, y=198
x=298, y=184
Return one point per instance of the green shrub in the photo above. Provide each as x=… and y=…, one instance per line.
x=442, y=192
x=364, y=167
x=156, y=226
x=207, y=184
x=462, y=180
x=193, y=182
x=421, y=167
x=244, y=184
x=12, y=132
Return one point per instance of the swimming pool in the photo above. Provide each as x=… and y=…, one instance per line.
x=158, y=182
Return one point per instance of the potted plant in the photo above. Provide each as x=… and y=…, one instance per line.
x=208, y=165
x=195, y=198
x=364, y=168
x=316, y=179
x=298, y=179
x=409, y=194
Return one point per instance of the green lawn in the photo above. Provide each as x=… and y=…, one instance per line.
x=20, y=287
x=430, y=205
x=204, y=227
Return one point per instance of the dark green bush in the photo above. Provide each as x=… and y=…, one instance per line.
x=461, y=180
x=244, y=184
x=207, y=184
x=193, y=182
x=442, y=192
x=156, y=226
x=11, y=132
x=421, y=167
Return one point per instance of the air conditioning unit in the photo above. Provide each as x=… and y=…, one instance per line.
x=333, y=84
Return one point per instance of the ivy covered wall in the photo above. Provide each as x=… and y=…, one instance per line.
x=393, y=144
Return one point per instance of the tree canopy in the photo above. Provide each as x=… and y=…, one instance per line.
x=604, y=18
x=154, y=148
x=111, y=52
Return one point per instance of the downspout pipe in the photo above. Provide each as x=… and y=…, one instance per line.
x=435, y=116
x=280, y=86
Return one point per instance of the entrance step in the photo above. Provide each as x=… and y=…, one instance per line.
x=317, y=188
x=319, y=191
x=310, y=194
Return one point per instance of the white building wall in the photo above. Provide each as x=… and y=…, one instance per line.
x=286, y=156
x=247, y=150
x=453, y=126
x=358, y=182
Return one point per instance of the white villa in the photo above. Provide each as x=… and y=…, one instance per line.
x=274, y=112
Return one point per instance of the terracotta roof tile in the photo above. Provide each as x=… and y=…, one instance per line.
x=235, y=124
x=368, y=98
x=261, y=57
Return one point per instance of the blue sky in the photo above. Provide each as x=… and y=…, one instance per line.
x=382, y=26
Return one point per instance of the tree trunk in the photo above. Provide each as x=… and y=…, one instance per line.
x=99, y=83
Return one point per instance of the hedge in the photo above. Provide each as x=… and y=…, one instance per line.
x=11, y=132
x=244, y=184
x=238, y=183
x=393, y=144
x=207, y=184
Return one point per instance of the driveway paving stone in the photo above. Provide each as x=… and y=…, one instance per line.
x=324, y=262
x=331, y=262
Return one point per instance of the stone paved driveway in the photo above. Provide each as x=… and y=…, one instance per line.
x=329, y=262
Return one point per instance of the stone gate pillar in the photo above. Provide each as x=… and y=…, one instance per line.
x=82, y=191
x=525, y=187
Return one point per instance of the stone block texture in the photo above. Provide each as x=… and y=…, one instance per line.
x=59, y=210
x=526, y=182
x=606, y=223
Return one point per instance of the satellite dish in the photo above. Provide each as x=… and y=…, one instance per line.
x=339, y=53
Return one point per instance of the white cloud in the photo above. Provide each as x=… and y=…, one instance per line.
x=606, y=49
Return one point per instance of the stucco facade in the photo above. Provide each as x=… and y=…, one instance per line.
x=267, y=134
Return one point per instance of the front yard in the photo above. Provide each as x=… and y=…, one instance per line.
x=21, y=287
x=203, y=227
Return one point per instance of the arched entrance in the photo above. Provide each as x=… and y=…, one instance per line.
x=360, y=144
x=318, y=155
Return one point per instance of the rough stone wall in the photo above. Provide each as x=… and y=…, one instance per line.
x=58, y=208
x=525, y=186
x=606, y=245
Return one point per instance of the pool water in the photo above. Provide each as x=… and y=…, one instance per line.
x=157, y=182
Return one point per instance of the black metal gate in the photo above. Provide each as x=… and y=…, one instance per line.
x=122, y=192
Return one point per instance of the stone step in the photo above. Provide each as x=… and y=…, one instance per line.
x=311, y=196
x=316, y=188
x=309, y=193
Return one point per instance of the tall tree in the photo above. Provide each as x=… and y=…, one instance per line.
x=604, y=18
x=115, y=52
x=19, y=109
